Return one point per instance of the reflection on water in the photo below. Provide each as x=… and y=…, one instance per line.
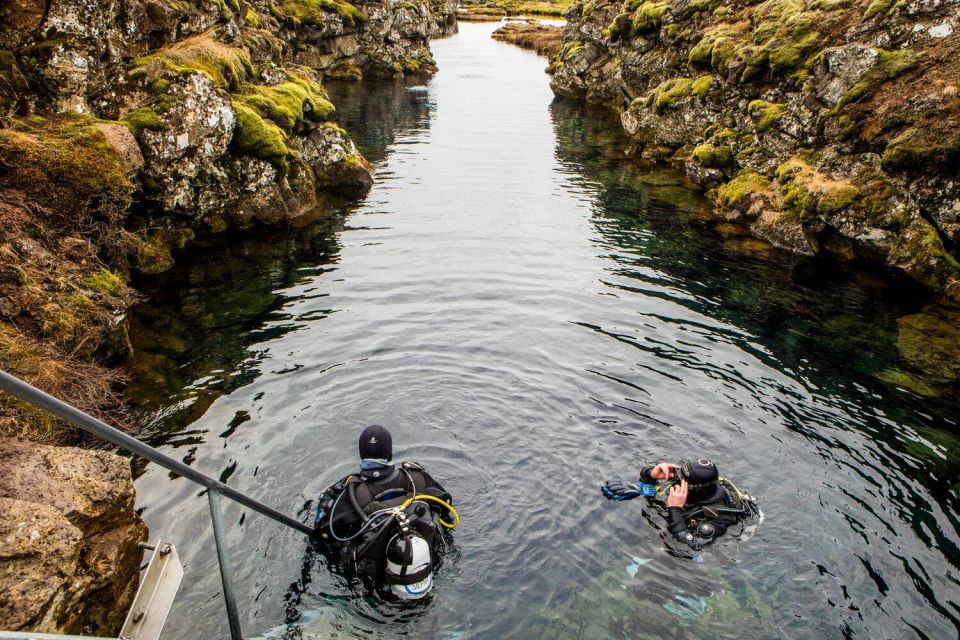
x=531, y=313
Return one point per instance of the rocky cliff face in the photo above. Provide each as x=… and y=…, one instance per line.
x=831, y=127
x=224, y=99
x=69, y=557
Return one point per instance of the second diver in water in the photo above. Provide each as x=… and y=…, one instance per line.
x=386, y=519
x=701, y=505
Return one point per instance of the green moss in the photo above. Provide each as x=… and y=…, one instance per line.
x=696, y=6
x=259, y=137
x=766, y=114
x=701, y=86
x=669, y=93
x=890, y=64
x=289, y=103
x=63, y=163
x=619, y=28
x=159, y=87
x=316, y=12
x=571, y=49
x=345, y=71
x=808, y=192
x=647, y=16
x=144, y=118
x=715, y=156
x=105, y=282
x=251, y=19
x=918, y=149
x=878, y=8
x=717, y=47
x=588, y=9
x=907, y=382
x=789, y=56
x=742, y=186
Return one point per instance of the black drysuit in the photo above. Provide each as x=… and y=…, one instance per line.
x=707, y=515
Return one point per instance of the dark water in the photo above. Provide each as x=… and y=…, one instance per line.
x=530, y=313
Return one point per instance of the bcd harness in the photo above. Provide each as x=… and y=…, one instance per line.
x=388, y=522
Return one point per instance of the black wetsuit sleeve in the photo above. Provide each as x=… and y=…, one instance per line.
x=645, y=474
x=325, y=506
x=435, y=489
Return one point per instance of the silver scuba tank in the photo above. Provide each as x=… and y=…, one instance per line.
x=409, y=570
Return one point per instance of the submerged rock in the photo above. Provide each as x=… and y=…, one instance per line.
x=930, y=342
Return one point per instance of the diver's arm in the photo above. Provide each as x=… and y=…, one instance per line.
x=645, y=474
x=434, y=488
x=326, y=502
x=651, y=473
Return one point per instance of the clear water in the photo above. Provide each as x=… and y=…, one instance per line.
x=530, y=313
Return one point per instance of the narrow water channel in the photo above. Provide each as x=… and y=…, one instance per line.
x=530, y=313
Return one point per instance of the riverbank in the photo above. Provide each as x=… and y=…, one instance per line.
x=828, y=129
x=126, y=133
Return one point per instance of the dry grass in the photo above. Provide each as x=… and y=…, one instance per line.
x=227, y=66
x=85, y=385
x=545, y=40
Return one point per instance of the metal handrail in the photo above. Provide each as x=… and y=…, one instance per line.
x=28, y=393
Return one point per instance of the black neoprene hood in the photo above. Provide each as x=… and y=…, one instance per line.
x=376, y=443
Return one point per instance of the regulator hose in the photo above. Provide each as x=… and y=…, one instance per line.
x=445, y=505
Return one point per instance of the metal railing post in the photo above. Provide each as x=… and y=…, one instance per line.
x=224, y=561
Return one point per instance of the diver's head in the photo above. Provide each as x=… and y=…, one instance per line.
x=376, y=444
x=701, y=476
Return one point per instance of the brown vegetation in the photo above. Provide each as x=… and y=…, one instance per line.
x=544, y=39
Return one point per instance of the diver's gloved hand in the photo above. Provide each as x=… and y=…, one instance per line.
x=620, y=490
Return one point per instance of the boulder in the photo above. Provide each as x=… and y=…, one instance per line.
x=81, y=506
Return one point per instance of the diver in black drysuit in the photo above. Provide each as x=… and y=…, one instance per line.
x=701, y=505
x=343, y=515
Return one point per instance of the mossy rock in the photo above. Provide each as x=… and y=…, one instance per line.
x=918, y=149
x=648, y=15
x=766, y=114
x=105, y=282
x=289, y=103
x=317, y=12
x=63, y=163
x=735, y=193
x=714, y=156
x=701, y=86
x=144, y=119
x=879, y=8
x=259, y=137
x=809, y=192
x=889, y=65
x=667, y=94
x=907, y=382
x=228, y=67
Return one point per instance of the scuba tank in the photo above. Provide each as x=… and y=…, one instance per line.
x=409, y=570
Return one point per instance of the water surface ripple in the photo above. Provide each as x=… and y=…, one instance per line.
x=530, y=313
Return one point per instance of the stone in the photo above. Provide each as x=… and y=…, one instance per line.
x=124, y=144
x=93, y=493
x=39, y=561
x=930, y=342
